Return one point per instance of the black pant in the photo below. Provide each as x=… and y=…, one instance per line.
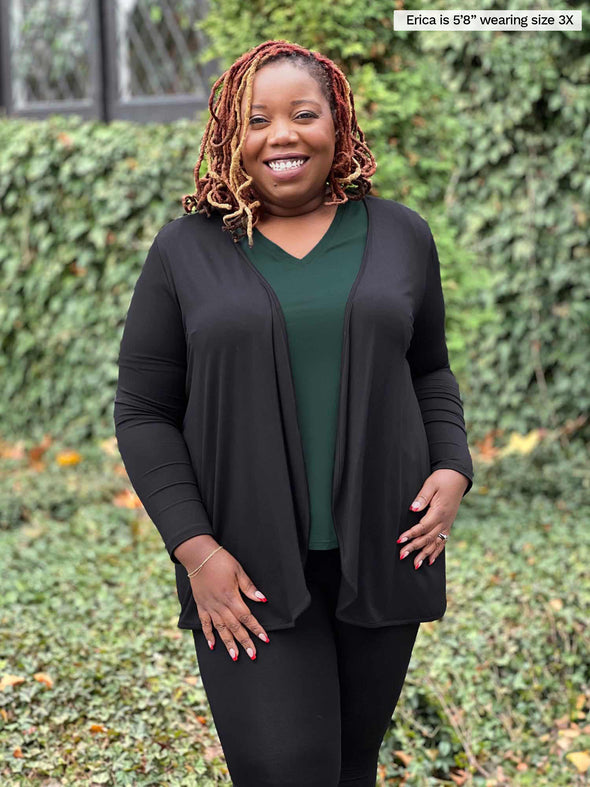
x=312, y=709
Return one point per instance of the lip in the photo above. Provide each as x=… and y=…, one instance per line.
x=287, y=174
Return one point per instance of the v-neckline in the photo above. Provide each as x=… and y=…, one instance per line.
x=282, y=255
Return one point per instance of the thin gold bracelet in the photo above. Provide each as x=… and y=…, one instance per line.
x=195, y=570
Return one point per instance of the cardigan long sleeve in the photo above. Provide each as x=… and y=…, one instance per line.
x=150, y=405
x=435, y=385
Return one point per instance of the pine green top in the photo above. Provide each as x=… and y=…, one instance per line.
x=313, y=292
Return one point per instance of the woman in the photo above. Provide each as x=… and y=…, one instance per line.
x=287, y=414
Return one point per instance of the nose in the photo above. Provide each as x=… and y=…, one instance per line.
x=281, y=132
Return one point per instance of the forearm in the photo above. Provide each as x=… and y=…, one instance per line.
x=442, y=412
x=159, y=467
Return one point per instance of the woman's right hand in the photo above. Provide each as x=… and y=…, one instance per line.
x=216, y=590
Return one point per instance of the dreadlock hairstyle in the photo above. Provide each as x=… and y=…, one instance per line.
x=226, y=188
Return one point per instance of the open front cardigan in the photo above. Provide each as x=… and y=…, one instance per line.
x=206, y=422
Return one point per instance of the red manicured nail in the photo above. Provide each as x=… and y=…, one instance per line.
x=403, y=555
x=210, y=645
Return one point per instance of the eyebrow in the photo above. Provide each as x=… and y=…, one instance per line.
x=296, y=101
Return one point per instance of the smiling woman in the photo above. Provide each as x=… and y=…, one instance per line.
x=284, y=396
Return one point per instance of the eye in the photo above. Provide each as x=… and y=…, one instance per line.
x=256, y=120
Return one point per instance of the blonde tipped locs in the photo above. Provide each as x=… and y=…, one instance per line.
x=226, y=188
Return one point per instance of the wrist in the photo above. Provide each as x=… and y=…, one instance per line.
x=194, y=550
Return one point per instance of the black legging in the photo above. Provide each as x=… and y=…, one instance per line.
x=312, y=709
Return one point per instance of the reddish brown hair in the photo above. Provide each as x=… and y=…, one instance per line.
x=226, y=188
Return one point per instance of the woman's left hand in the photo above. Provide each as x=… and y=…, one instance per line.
x=443, y=490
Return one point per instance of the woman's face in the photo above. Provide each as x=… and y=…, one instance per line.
x=290, y=121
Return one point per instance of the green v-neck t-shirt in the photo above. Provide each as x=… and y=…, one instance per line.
x=313, y=292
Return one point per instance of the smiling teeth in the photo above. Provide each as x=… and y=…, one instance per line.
x=286, y=164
